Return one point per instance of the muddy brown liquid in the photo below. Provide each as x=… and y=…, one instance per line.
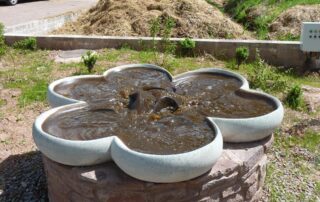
x=212, y=94
x=82, y=89
x=162, y=133
x=121, y=84
x=151, y=114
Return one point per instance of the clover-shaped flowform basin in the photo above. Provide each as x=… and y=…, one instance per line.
x=154, y=127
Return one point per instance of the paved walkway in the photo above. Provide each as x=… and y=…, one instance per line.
x=28, y=10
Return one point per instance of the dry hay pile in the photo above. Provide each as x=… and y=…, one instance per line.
x=193, y=18
x=289, y=22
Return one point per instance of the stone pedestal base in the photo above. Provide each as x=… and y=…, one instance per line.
x=237, y=176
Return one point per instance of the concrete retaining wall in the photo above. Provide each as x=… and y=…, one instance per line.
x=278, y=53
x=42, y=26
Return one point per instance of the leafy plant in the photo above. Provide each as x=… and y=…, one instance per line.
x=89, y=60
x=265, y=77
x=188, y=43
x=187, y=46
x=163, y=27
x=242, y=55
x=294, y=97
x=2, y=41
x=168, y=47
x=154, y=31
x=29, y=43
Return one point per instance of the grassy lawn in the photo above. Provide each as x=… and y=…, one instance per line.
x=293, y=173
x=269, y=10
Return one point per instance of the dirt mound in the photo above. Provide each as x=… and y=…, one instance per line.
x=193, y=18
x=289, y=22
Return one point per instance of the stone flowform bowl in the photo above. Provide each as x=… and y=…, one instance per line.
x=151, y=167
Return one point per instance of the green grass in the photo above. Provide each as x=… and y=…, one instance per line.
x=273, y=8
x=310, y=141
x=6, y=141
x=262, y=76
x=2, y=102
x=294, y=171
x=31, y=71
x=112, y=56
x=142, y=56
x=71, y=65
x=318, y=187
x=35, y=93
x=269, y=79
x=31, y=75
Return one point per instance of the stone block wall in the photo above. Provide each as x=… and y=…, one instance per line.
x=237, y=176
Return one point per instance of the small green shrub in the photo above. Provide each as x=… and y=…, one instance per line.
x=154, y=31
x=155, y=27
x=89, y=60
x=187, y=46
x=2, y=42
x=188, y=43
x=294, y=97
x=162, y=26
x=265, y=77
x=29, y=43
x=242, y=55
x=168, y=46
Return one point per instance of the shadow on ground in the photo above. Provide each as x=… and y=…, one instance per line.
x=22, y=178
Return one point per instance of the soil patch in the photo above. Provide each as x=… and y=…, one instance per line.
x=193, y=18
x=16, y=123
x=311, y=97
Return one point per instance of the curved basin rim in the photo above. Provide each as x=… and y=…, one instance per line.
x=51, y=87
x=275, y=101
x=244, y=87
x=243, y=80
x=215, y=129
x=115, y=69
x=68, y=79
x=133, y=66
x=43, y=117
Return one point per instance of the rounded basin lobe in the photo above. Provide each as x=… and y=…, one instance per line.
x=149, y=167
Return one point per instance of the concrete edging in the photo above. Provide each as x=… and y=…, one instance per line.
x=42, y=26
x=278, y=53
